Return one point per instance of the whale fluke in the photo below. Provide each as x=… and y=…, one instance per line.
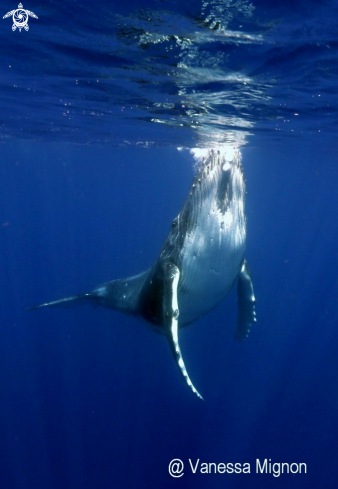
x=68, y=302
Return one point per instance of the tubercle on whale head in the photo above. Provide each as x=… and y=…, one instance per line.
x=207, y=158
x=227, y=152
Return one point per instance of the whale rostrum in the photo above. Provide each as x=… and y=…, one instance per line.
x=198, y=264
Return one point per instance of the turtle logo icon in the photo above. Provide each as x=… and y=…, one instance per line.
x=20, y=18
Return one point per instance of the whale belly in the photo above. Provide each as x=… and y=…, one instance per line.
x=212, y=256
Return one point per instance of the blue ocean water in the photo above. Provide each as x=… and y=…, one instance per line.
x=100, y=107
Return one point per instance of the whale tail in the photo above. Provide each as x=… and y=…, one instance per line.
x=121, y=295
x=69, y=302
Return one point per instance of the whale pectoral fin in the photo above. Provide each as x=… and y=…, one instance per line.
x=69, y=302
x=246, y=303
x=170, y=315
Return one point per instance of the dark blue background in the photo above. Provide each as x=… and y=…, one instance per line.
x=91, y=399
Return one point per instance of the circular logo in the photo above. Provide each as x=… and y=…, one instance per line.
x=20, y=18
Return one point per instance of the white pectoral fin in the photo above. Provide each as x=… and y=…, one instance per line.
x=246, y=303
x=170, y=314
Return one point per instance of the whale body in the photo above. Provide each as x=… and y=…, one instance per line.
x=201, y=259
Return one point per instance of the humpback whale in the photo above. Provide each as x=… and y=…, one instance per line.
x=201, y=259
